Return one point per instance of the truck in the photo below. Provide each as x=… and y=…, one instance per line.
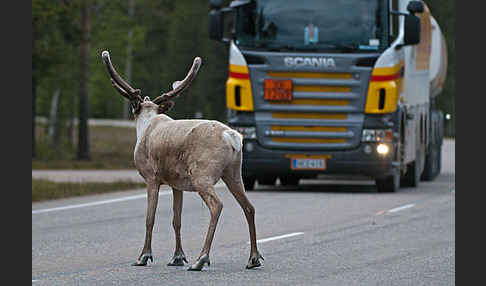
x=332, y=87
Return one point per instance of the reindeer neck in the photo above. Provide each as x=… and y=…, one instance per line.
x=141, y=123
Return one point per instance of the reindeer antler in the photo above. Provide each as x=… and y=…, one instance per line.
x=180, y=86
x=118, y=83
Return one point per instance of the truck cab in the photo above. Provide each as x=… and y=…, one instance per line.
x=333, y=87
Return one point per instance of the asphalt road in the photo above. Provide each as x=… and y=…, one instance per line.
x=325, y=232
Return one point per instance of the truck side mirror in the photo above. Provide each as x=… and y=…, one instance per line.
x=217, y=29
x=216, y=25
x=415, y=7
x=412, y=30
x=215, y=4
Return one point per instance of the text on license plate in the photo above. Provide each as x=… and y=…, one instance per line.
x=308, y=164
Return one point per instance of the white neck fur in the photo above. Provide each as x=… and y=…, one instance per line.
x=142, y=121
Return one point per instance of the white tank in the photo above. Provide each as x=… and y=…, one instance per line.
x=438, y=59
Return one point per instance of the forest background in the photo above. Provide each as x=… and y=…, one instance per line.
x=152, y=44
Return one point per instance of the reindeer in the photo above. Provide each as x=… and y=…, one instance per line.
x=187, y=155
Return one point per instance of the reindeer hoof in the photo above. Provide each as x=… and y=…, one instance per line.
x=198, y=266
x=142, y=260
x=254, y=261
x=178, y=260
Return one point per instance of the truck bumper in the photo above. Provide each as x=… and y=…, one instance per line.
x=258, y=161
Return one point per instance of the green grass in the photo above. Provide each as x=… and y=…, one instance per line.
x=48, y=190
x=110, y=148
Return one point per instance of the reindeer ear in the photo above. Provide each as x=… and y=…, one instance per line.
x=166, y=106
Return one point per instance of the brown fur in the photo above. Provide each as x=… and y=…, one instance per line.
x=180, y=152
x=188, y=155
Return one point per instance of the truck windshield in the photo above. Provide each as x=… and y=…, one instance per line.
x=312, y=25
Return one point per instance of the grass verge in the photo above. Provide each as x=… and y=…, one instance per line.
x=48, y=190
x=110, y=148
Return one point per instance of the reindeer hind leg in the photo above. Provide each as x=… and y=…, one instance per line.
x=234, y=182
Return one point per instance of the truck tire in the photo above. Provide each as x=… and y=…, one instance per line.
x=432, y=164
x=439, y=161
x=289, y=181
x=433, y=160
x=412, y=176
x=249, y=183
x=267, y=180
x=389, y=184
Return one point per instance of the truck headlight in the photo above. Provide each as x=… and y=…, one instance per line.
x=247, y=132
x=382, y=149
x=376, y=135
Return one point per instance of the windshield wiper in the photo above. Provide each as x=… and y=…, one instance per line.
x=328, y=47
x=282, y=47
x=347, y=47
x=340, y=47
x=271, y=46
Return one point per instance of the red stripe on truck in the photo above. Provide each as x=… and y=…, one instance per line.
x=239, y=75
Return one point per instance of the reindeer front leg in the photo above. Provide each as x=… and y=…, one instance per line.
x=179, y=256
x=152, y=199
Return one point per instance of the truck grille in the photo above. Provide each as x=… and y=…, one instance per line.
x=338, y=116
x=308, y=134
x=326, y=111
x=310, y=75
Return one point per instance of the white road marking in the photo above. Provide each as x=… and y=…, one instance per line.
x=401, y=208
x=278, y=237
x=162, y=193
x=97, y=203
x=380, y=213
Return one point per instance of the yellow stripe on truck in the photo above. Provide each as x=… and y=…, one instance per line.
x=294, y=115
x=310, y=75
x=238, y=68
x=309, y=128
x=336, y=102
x=384, y=89
x=307, y=140
x=317, y=88
x=238, y=89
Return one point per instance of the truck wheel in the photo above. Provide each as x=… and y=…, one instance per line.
x=267, y=180
x=289, y=181
x=432, y=164
x=412, y=177
x=389, y=184
x=439, y=160
x=249, y=183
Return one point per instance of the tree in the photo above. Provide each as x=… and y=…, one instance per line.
x=34, y=100
x=128, y=64
x=54, y=34
x=83, y=135
x=45, y=56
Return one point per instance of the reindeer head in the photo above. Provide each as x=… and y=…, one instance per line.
x=162, y=103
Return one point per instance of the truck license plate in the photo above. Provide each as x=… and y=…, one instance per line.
x=308, y=164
